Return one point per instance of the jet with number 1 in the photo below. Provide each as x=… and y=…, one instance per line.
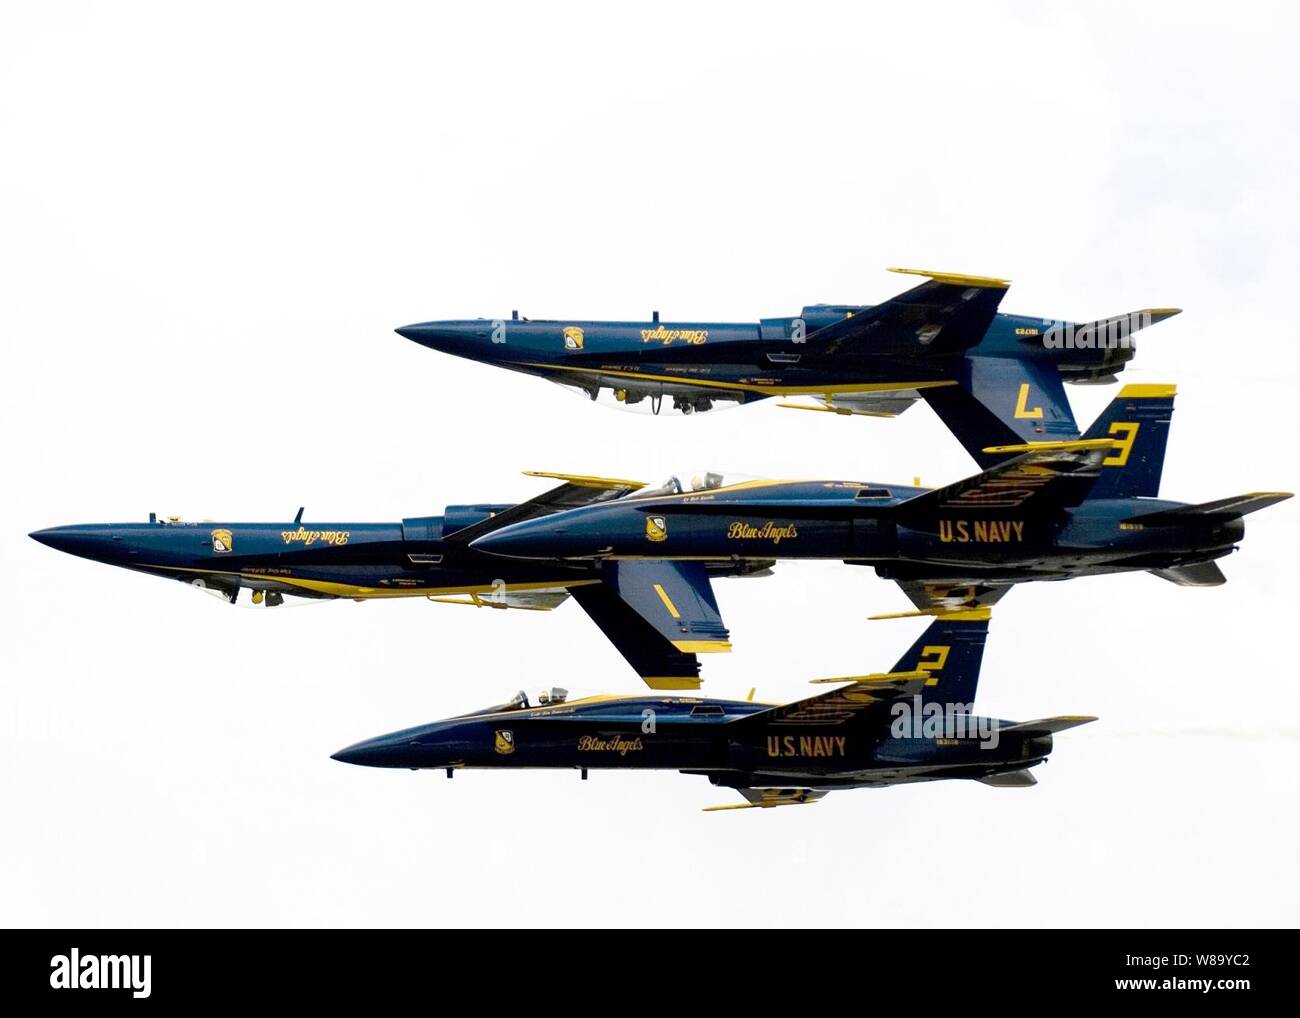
x=430, y=556
x=944, y=341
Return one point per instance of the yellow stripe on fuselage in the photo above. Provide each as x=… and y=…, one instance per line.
x=354, y=591
x=767, y=390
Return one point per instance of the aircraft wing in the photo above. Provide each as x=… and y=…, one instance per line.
x=576, y=491
x=989, y=401
x=948, y=313
x=939, y=599
x=876, y=403
x=858, y=697
x=658, y=615
x=765, y=798
x=1040, y=477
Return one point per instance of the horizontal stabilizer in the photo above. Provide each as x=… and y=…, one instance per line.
x=1009, y=779
x=1223, y=509
x=1198, y=574
x=1107, y=333
x=1048, y=726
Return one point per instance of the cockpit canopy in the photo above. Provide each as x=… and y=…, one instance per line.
x=689, y=481
x=546, y=698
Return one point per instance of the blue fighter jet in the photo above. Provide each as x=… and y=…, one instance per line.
x=659, y=615
x=943, y=340
x=1044, y=511
x=912, y=724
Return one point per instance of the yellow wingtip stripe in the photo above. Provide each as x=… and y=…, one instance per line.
x=978, y=613
x=876, y=678
x=587, y=481
x=957, y=278
x=703, y=646
x=842, y=411
x=1148, y=391
x=671, y=682
x=1068, y=446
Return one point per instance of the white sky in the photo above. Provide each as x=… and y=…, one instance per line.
x=213, y=216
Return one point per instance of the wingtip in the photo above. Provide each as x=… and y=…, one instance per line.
x=955, y=278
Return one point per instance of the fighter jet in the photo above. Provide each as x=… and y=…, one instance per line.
x=943, y=340
x=659, y=615
x=907, y=725
x=1046, y=511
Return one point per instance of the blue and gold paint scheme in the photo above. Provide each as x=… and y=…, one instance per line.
x=1046, y=510
x=659, y=615
x=944, y=340
x=914, y=723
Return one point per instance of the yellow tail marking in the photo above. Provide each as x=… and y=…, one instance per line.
x=1126, y=433
x=1148, y=391
x=1023, y=412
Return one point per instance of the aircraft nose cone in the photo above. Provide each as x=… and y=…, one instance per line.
x=463, y=339
x=354, y=754
x=412, y=332
x=75, y=540
x=369, y=753
x=51, y=537
x=395, y=750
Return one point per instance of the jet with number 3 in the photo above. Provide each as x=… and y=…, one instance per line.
x=1047, y=510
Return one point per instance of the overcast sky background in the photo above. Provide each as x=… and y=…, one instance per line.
x=213, y=216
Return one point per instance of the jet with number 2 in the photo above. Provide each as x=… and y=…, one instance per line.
x=943, y=341
x=430, y=556
x=1043, y=511
x=912, y=724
